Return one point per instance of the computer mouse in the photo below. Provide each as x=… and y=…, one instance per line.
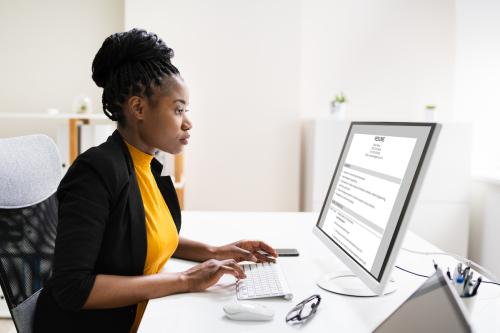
x=248, y=311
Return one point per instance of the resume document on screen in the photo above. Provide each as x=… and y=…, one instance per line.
x=365, y=192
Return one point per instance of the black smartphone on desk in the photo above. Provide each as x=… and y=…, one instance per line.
x=287, y=252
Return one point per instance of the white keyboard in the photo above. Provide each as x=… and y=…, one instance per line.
x=263, y=280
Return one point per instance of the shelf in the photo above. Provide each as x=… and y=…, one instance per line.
x=41, y=115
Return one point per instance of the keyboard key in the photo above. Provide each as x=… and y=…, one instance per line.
x=263, y=280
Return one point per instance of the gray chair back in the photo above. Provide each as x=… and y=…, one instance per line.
x=30, y=171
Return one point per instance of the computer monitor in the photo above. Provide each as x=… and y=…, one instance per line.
x=369, y=202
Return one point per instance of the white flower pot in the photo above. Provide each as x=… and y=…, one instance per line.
x=430, y=115
x=339, y=111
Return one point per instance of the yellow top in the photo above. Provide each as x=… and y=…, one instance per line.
x=162, y=237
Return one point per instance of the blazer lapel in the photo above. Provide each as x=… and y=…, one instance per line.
x=138, y=237
x=167, y=190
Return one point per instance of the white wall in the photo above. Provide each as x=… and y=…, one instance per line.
x=256, y=67
x=476, y=100
x=390, y=57
x=241, y=62
x=47, y=48
x=478, y=77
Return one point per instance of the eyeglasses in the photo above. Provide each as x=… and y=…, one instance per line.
x=304, y=310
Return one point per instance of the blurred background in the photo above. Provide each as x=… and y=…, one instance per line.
x=263, y=75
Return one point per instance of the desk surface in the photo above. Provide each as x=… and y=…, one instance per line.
x=202, y=312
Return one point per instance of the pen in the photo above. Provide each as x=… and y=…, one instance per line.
x=467, y=278
x=476, y=286
x=467, y=284
x=466, y=271
x=448, y=273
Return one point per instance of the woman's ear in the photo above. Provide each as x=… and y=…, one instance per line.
x=136, y=106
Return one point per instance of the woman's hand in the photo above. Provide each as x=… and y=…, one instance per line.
x=246, y=250
x=206, y=274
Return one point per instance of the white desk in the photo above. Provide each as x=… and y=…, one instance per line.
x=202, y=312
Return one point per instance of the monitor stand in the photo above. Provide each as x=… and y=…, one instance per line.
x=346, y=283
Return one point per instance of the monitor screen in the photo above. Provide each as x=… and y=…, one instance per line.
x=370, y=190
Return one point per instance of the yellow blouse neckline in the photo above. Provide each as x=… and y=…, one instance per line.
x=140, y=158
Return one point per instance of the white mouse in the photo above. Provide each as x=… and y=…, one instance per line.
x=248, y=311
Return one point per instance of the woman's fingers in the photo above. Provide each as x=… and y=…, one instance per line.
x=231, y=263
x=264, y=258
x=246, y=255
x=226, y=270
x=267, y=248
x=256, y=245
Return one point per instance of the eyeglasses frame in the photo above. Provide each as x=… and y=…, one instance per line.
x=300, y=307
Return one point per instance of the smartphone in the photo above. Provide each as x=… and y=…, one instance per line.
x=287, y=252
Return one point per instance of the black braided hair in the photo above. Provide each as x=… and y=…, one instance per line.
x=130, y=63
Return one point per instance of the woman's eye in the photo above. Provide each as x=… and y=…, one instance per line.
x=179, y=111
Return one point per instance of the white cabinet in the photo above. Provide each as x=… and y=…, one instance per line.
x=441, y=213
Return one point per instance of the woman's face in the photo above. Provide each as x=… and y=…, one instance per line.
x=165, y=124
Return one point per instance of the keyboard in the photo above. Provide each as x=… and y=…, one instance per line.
x=263, y=280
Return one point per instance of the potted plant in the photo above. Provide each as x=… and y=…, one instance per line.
x=338, y=106
x=82, y=104
x=430, y=113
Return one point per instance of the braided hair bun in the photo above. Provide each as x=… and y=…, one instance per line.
x=130, y=62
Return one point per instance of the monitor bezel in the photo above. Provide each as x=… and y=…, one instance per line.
x=378, y=285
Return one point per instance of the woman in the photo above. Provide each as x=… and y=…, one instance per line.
x=118, y=219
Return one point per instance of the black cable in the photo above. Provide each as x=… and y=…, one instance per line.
x=407, y=271
x=425, y=276
x=498, y=284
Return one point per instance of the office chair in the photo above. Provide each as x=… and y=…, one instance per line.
x=30, y=171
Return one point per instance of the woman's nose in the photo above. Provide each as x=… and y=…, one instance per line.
x=186, y=124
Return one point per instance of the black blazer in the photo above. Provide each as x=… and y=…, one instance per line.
x=101, y=230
